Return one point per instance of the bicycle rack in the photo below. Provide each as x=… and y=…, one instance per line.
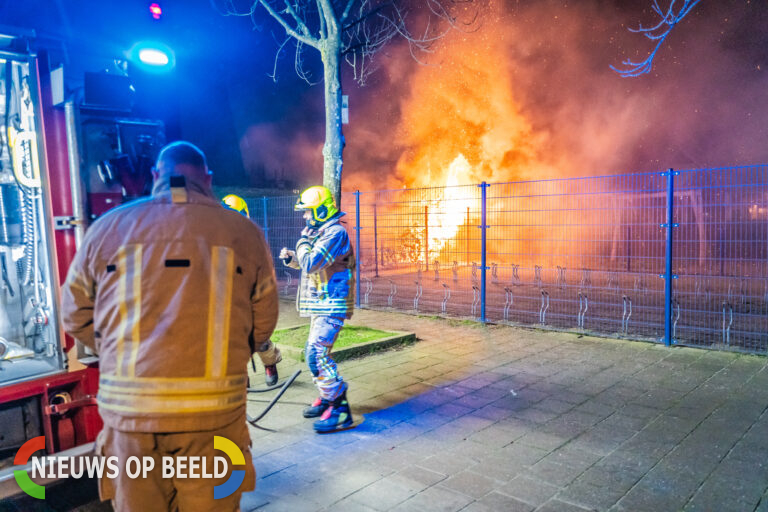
x=675, y=317
x=743, y=289
x=368, y=289
x=455, y=271
x=639, y=284
x=583, y=303
x=516, y=281
x=437, y=270
x=509, y=300
x=288, y=281
x=544, y=307
x=586, y=278
x=418, y=271
x=561, y=282
x=494, y=273
x=537, y=276
x=626, y=313
x=613, y=281
x=727, y=329
x=474, y=272
x=419, y=291
x=475, y=299
x=446, y=296
x=392, y=292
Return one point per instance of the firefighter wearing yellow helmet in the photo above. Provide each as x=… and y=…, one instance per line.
x=236, y=203
x=268, y=353
x=326, y=259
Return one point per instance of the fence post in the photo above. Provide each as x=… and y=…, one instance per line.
x=265, y=225
x=668, y=276
x=358, y=249
x=375, y=242
x=483, y=265
x=426, y=236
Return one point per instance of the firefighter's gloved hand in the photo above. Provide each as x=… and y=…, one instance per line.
x=287, y=255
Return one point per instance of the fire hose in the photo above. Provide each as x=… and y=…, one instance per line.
x=283, y=388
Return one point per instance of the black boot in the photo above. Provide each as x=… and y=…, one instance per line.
x=337, y=417
x=270, y=374
x=317, y=408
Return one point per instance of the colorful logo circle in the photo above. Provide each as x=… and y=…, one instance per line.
x=235, y=480
x=21, y=459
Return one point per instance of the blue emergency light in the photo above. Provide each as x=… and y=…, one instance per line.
x=152, y=56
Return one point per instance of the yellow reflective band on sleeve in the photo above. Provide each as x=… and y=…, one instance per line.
x=219, y=311
x=325, y=254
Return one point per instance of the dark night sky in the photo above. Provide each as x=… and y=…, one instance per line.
x=534, y=71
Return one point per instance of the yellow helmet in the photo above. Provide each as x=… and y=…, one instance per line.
x=320, y=201
x=237, y=203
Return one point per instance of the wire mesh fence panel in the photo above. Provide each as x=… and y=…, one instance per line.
x=586, y=254
x=420, y=250
x=282, y=227
x=578, y=253
x=721, y=258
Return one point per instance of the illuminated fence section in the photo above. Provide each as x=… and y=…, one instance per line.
x=679, y=258
x=579, y=253
x=720, y=255
x=420, y=250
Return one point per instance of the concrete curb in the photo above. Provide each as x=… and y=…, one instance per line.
x=369, y=347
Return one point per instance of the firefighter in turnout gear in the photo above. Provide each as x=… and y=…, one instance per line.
x=267, y=351
x=326, y=259
x=173, y=292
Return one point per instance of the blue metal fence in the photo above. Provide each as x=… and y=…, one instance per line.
x=677, y=257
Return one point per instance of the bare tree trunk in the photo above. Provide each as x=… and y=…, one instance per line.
x=334, y=138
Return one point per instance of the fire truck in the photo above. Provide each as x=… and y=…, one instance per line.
x=63, y=162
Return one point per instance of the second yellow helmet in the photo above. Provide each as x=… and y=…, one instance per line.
x=237, y=203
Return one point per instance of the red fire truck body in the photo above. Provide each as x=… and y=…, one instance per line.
x=48, y=191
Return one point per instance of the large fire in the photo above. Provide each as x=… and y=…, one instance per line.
x=450, y=206
x=461, y=125
x=462, y=106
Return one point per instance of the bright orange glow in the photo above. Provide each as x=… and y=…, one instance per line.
x=462, y=125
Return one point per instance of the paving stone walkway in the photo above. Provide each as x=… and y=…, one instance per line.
x=497, y=418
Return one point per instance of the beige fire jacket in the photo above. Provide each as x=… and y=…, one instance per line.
x=172, y=291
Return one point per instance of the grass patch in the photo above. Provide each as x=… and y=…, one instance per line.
x=349, y=336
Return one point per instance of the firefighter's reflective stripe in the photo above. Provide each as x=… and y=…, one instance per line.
x=129, y=292
x=172, y=384
x=149, y=400
x=179, y=195
x=325, y=254
x=219, y=310
x=170, y=394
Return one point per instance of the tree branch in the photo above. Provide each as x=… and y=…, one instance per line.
x=347, y=9
x=331, y=22
x=273, y=76
x=658, y=33
x=299, y=22
x=323, y=27
x=309, y=41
